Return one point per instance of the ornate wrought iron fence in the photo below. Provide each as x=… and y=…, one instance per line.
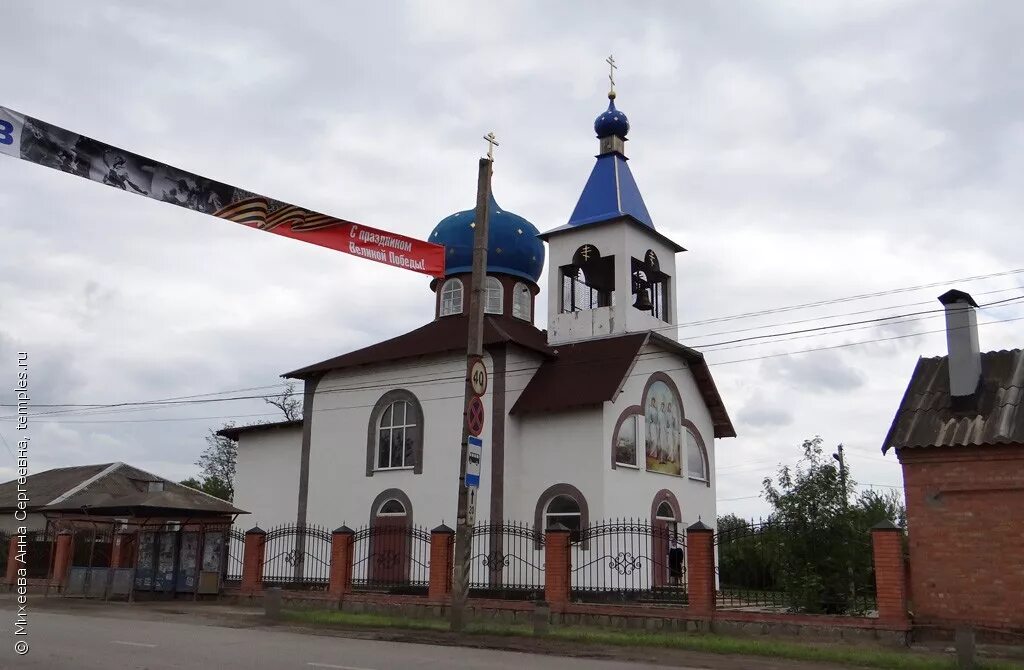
x=391, y=557
x=507, y=561
x=297, y=557
x=236, y=550
x=795, y=567
x=629, y=561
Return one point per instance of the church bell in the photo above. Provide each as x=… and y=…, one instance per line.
x=643, y=300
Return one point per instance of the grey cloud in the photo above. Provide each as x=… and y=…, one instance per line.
x=801, y=151
x=761, y=412
x=818, y=371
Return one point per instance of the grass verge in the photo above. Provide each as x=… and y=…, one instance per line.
x=699, y=642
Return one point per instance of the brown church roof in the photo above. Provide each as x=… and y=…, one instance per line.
x=592, y=372
x=996, y=415
x=572, y=375
x=446, y=334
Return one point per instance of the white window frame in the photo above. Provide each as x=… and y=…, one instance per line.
x=692, y=443
x=452, y=297
x=521, y=306
x=637, y=432
x=494, y=296
x=404, y=427
x=381, y=513
x=548, y=514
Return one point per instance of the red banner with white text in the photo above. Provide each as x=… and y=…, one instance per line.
x=48, y=145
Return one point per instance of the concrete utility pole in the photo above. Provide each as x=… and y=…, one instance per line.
x=842, y=473
x=474, y=351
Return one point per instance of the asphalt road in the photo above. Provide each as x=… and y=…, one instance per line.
x=87, y=642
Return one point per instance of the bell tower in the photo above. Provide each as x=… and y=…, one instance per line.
x=609, y=271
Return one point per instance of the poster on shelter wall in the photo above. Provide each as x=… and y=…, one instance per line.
x=663, y=419
x=54, y=147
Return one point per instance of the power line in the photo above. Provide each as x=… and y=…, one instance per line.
x=841, y=314
x=862, y=296
x=756, y=358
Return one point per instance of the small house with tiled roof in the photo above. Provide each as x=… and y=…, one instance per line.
x=959, y=436
x=602, y=415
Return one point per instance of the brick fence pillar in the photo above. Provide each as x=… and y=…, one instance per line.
x=890, y=573
x=557, y=565
x=342, y=540
x=62, y=558
x=12, y=563
x=700, y=568
x=122, y=550
x=252, y=560
x=442, y=555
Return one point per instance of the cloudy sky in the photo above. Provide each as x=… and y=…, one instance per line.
x=801, y=151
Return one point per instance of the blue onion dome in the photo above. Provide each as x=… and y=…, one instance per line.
x=612, y=121
x=513, y=247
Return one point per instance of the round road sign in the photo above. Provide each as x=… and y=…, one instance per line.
x=478, y=377
x=475, y=417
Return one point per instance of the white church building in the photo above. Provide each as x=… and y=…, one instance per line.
x=603, y=415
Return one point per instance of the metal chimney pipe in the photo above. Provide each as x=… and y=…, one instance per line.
x=962, y=342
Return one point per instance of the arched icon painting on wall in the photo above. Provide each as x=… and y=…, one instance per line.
x=663, y=418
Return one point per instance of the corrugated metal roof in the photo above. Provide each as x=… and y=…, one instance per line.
x=926, y=417
x=112, y=488
x=43, y=487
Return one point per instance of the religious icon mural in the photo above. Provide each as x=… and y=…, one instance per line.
x=663, y=415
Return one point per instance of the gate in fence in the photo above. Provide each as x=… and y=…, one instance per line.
x=394, y=558
x=629, y=561
x=507, y=561
x=297, y=557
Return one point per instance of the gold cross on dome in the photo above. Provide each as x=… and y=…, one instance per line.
x=492, y=142
x=612, y=67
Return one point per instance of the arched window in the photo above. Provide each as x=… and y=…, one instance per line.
x=392, y=507
x=696, y=457
x=494, y=298
x=564, y=504
x=521, y=301
x=395, y=434
x=451, y=297
x=566, y=511
x=665, y=512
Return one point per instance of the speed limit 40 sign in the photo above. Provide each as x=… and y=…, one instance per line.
x=478, y=377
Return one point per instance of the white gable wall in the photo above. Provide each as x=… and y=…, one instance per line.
x=267, y=476
x=340, y=491
x=630, y=492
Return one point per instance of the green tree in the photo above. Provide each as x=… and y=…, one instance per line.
x=824, y=545
x=211, y=485
x=219, y=459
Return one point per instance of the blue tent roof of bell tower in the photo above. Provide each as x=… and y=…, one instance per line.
x=610, y=193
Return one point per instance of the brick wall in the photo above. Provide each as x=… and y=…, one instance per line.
x=965, y=517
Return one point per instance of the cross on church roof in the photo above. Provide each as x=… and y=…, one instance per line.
x=612, y=67
x=492, y=142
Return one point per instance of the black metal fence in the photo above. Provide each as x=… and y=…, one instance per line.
x=235, y=552
x=507, y=561
x=297, y=557
x=394, y=558
x=629, y=561
x=795, y=567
